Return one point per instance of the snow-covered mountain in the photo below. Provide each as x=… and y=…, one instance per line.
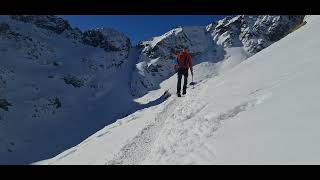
x=59, y=85
x=235, y=38
x=263, y=111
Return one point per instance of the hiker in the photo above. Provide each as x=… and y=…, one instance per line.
x=184, y=62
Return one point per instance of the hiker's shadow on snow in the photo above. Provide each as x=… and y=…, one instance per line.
x=158, y=101
x=155, y=102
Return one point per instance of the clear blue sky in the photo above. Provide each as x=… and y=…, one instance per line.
x=140, y=27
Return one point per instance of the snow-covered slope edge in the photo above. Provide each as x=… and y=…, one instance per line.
x=263, y=111
x=58, y=85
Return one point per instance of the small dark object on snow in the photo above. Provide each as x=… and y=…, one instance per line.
x=4, y=104
x=74, y=81
x=193, y=83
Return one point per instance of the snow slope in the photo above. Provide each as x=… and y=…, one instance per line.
x=215, y=42
x=262, y=111
x=57, y=89
x=60, y=85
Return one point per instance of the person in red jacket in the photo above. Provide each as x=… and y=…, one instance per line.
x=184, y=62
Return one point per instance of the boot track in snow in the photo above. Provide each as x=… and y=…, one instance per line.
x=137, y=149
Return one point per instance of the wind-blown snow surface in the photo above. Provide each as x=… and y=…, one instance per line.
x=262, y=111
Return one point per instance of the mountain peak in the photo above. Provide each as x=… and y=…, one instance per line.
x=107, y=38
x=49, y=22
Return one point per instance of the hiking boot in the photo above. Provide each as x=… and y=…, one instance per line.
x=184, y=92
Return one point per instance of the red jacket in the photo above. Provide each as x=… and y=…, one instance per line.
x=184, y=60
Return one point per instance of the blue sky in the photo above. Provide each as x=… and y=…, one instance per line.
x=140, y=27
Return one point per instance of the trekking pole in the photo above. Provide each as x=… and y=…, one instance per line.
x=192, y=81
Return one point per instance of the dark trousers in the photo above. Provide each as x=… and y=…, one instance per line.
x=182, y=72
